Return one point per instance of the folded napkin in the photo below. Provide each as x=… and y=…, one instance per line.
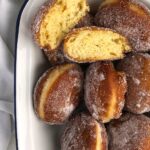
x=9, y=12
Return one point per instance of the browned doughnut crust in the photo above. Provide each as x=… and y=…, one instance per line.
x=56, y=57
x=137, y=68
x=86, y=21
x=130, y=132
x=84, y=133
x=57, y=93
x=105, y=89
x=129, y=17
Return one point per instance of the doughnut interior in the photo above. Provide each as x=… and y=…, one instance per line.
x=60, y=17
x=93, y=44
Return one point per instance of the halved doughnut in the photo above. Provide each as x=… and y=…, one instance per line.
x=55, y=19
x=90, y=44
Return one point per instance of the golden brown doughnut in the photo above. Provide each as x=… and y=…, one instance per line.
x=57, y=93
x=130, y=132
x=91, y=44
x=137, y=69
x=84, y=133
x=130, y=18
x=105, y=89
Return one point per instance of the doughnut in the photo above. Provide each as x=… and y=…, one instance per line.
x=91, y=44
x=137, y=69
x=55, y=19
x=84, y=133
x=56, y=57
x=105, y=90
x=130, y=18
x=130, y=132
x=57, y=93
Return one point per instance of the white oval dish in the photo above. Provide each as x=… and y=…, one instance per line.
x=32, y=134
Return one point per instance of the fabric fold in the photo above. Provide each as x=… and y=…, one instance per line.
x=9, y=12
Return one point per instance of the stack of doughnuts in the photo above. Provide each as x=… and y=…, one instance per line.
x=100, y=61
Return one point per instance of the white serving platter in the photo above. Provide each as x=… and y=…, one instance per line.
x=32, y=134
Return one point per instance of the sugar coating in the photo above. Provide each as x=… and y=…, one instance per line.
x=137, y=68
x=55, y=57
x=130, y=18
x=93, y=86
x=81, y=134
x=38, y=18
x=130, y=132
x=104, y=91
x=62, y=96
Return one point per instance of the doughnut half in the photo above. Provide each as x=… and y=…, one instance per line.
x=55, y=19
x=91, y=44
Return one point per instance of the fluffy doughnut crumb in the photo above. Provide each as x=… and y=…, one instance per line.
x=55, y=19
x=90, y=44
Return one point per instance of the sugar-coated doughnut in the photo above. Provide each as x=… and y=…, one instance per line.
x=57, y=93
x=130, y=18
x=105, y=90
x=130, y=132
x=84, y=133
x=137, y=69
